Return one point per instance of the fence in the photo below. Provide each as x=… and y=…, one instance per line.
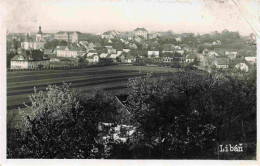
x=61, y=67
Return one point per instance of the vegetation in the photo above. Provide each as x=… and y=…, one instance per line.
x=185, y=115
x=61, y=124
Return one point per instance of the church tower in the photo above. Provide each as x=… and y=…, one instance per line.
x=39, y=36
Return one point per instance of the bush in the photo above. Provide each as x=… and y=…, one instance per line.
x=62, y=123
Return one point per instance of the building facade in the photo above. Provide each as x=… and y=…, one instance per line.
x=141, y=32
x=30, y=43
x=70, y=52
x=69, y=36
x=30, y=60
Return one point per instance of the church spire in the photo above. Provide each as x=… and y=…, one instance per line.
x=40, y=30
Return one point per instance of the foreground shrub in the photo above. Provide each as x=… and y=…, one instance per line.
x=62, y=123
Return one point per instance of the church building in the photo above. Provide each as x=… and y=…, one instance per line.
x=31, y=43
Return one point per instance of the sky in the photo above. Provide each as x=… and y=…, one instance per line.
x=93, y=16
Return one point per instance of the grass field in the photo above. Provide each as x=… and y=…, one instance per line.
x=20, y=84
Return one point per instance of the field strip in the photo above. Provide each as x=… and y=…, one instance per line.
x=77, y=83
x=14, y=101
x=60, y=75
x=24, y=84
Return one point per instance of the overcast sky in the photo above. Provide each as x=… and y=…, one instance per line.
x=98, y=16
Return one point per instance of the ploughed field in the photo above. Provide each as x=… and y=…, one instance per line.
x=20, y=84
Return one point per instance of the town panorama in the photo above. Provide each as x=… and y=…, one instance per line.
x=131, y=95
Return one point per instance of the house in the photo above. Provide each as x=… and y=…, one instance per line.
x=129, y=59
x=126, y=50
x=153, y=54
x=133, y=46
x=69, y=36
x=205, y=52
x=90, y=54
x=119, y=53
x=127, y=35
x=178, y=39
x=177, y=47
x=47, y=51
x=94, y=58
x=84, y=43
x=167, y=59
x=110, y=34
x=190, y=58
x=231, y=55
x=251, y=60
x=104, y=55
x=30, y=43
x=221, y=63
x=70, y=52
x=111, y=50
x=91, y=46
x=212, y=55
x=215, y=43
x=30, y=60
x=141, y=32
x=113, y=56
x=180, y=51
x=154, y=35
x=242, y=65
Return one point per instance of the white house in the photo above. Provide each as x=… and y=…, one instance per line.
x=70, y=52
x=126, y=50
x=111, y=50
x=119, y=53
x=242, y=66
x=251, y=60
x=103, y=55
x=113, y=56
x=141, y=32
x=110, y=34
x=90, y=54
x=154, y=54
x=30, y=60
x=178, y=39
x=93, y=58
x=180, y=51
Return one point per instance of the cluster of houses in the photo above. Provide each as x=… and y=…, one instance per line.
x=32, y=53
x=227, y=59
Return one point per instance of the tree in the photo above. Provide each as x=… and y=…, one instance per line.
x=188, y=114
x=61, y=123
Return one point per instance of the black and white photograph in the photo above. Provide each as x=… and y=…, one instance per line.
x=130, y=80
